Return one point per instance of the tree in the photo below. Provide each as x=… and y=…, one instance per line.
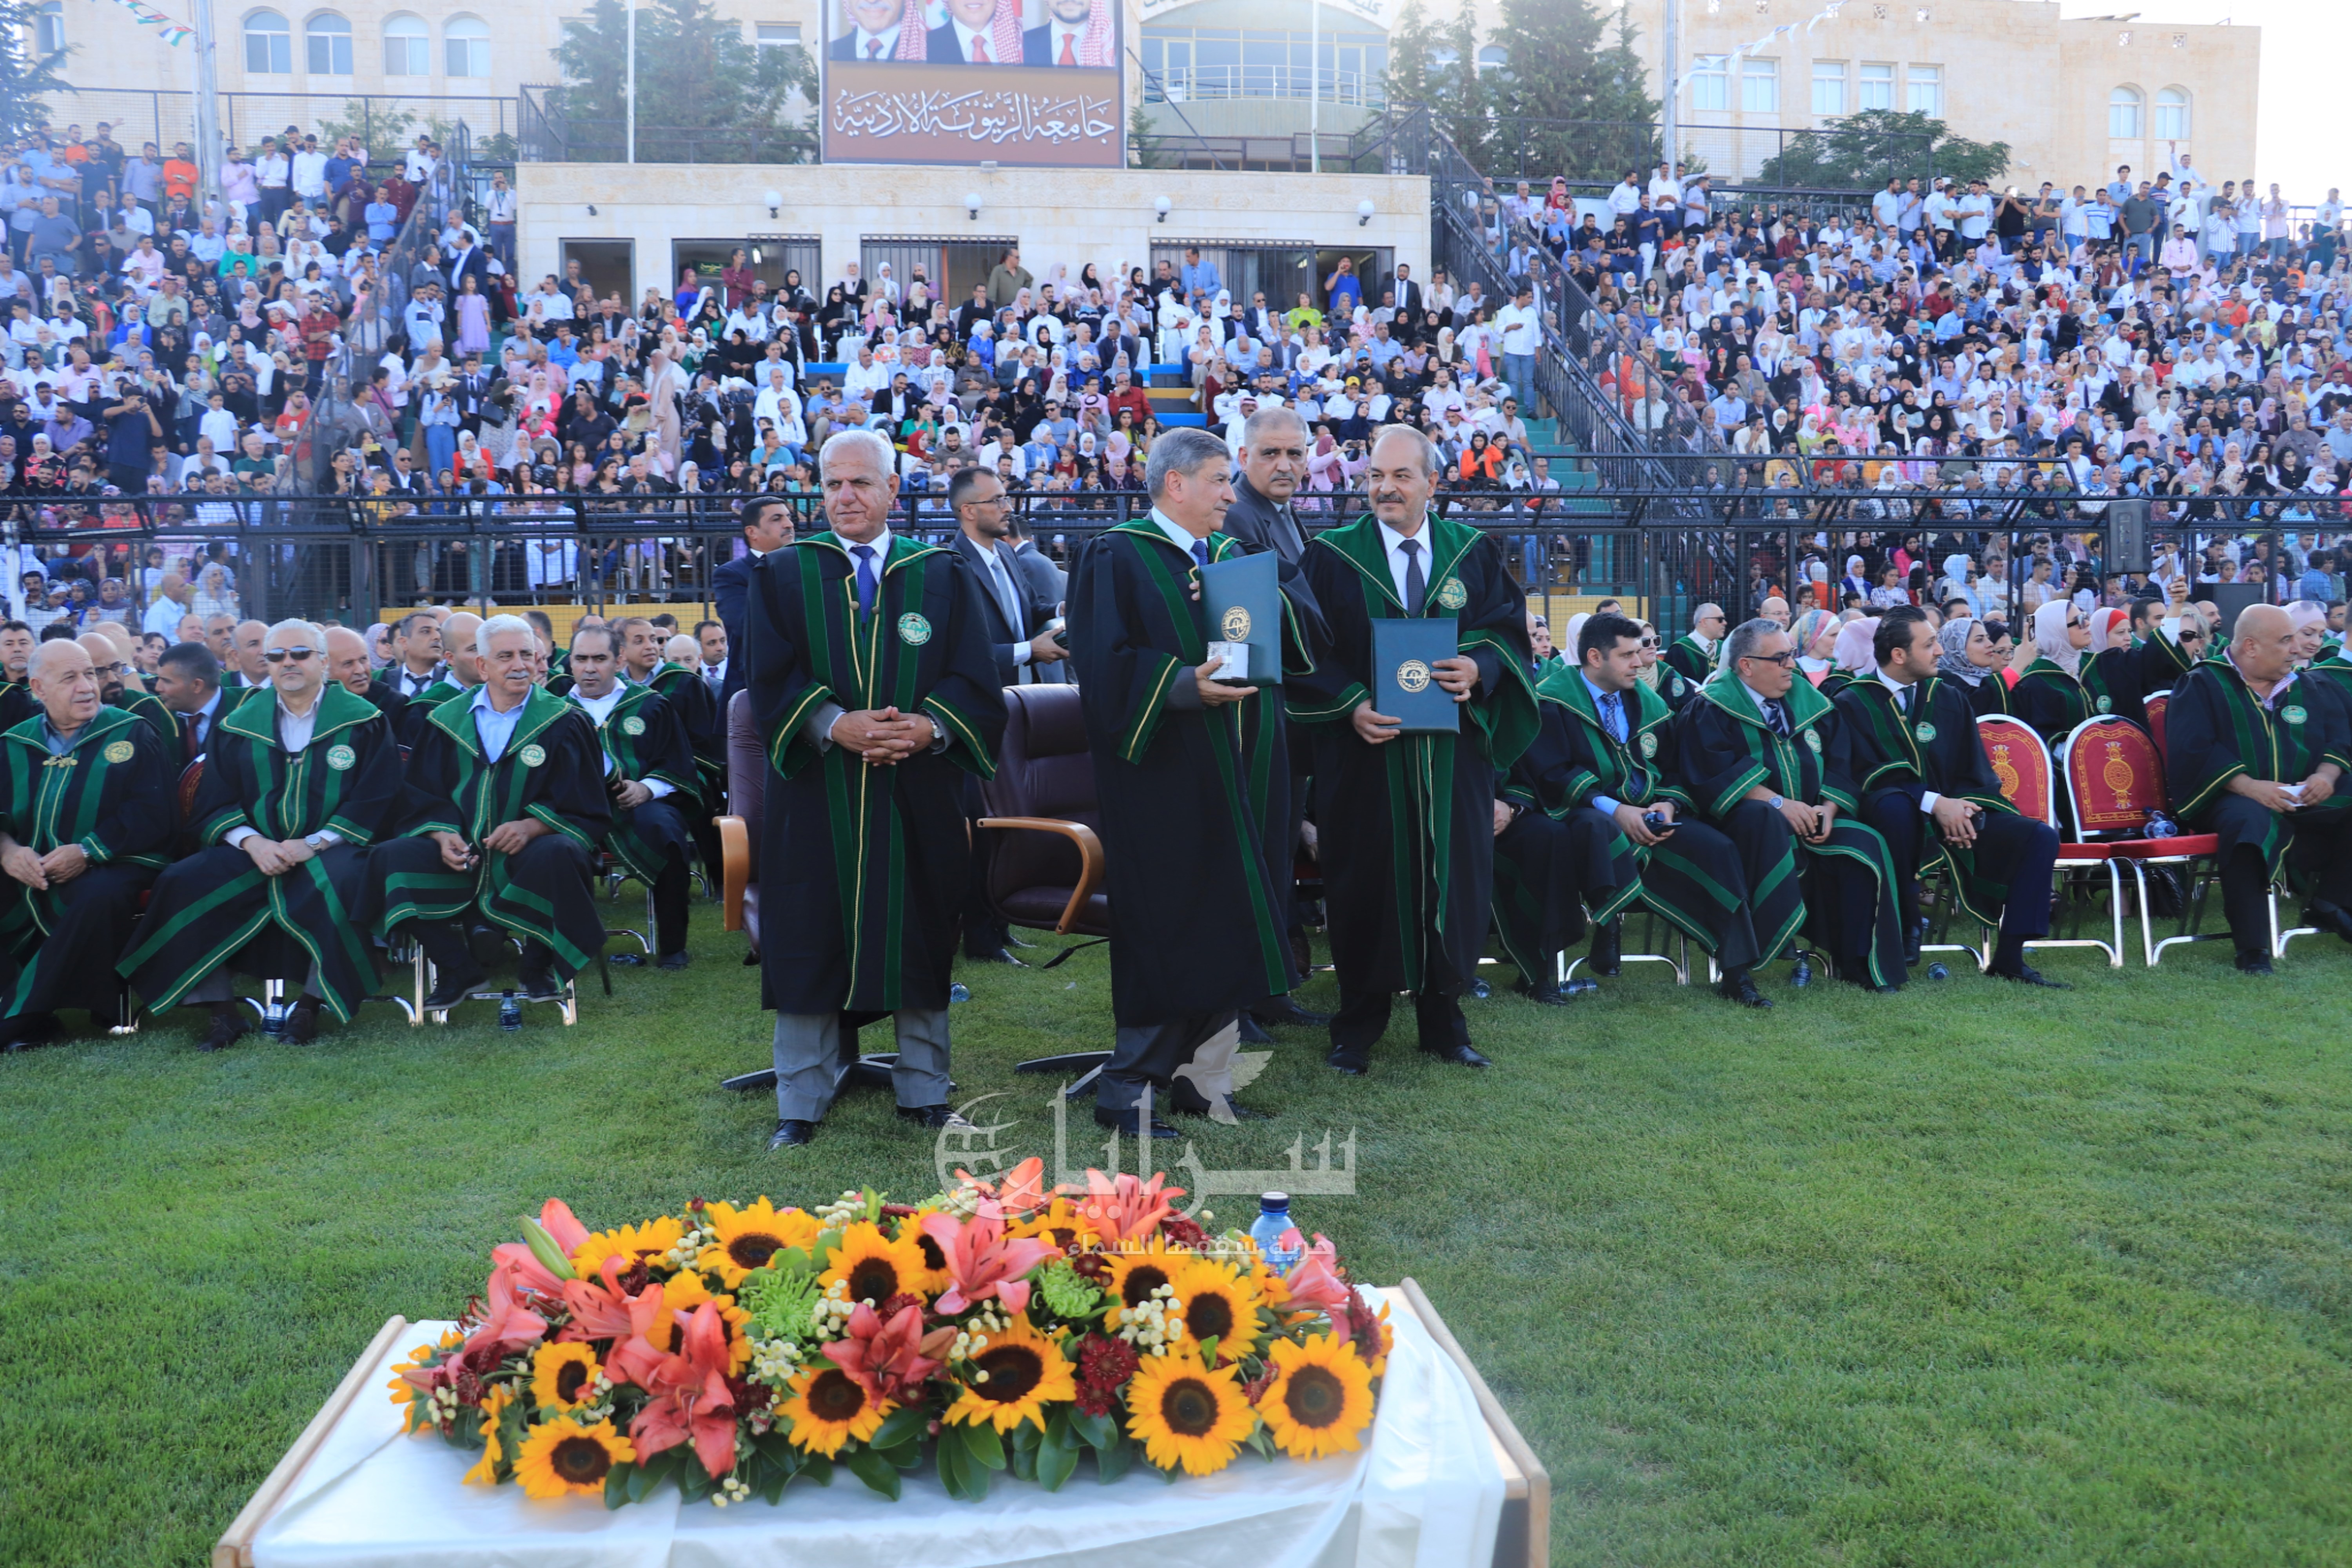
x=25, y=78
x=1570, y=97
x=704, y=95
x=1460, y=101
x=1866, y=149
x=1412, y=50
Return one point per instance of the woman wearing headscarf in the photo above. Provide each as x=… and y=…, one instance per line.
x=1969, y=660
x=1955, y=583
x=1853, y=582
x=1854, y=658
x=2053, y=693
x=2116, y=665
x=1811, y=632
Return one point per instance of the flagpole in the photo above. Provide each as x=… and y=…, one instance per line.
x=207, y=106
x=1315, y=86
x=632, y=92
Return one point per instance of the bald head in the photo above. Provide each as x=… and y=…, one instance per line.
x=1775, y=609
x=2263, y=644
x=246, y=652
x=107, y=661
x=347, y=660
x=120, y=635
x=65, y=683
x=458, y=633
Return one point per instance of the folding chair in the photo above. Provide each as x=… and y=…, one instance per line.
x=2028, y=781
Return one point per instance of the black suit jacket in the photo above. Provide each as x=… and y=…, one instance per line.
x=1408, y=293
x=1259, y=523
x=1003, y=637
x=728, y=584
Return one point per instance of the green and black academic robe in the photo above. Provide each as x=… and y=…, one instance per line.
x=419, y=711
x=1899, y=755
x=17, y=704
x=1832, y=682
x=1989, y=694
x=1692, y=880
x=111, y=793
x=1842, y=891
x=1685, y=656
x=2115, y=673
x=642, y=740
x=864, y=869
x=141, y=704
x=1194, y=801
x=1553, y=860
x=208, y=908
x=1673, y=687
x=2052, y=701
x=697, y=711
x=1406, y=828
x=552, y=771
x=386, y=699
x=2216, y=730
x=2162, y=662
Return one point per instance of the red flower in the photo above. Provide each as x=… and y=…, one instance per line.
x=692, y=1401
x=890, y=1359
x=1183, y=1232
x=1104, y=1367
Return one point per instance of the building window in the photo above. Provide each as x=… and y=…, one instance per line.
x=268, y=45
x=466, y=41
x=50, y=29
x=1492, y=58
x=776, y=34
x=1710, y=83
x=1184, y=63
x=1877, y=87
x=2123, y=114
x=408, y=47
x=1829, y=89
x=327, y=39
x=1926, y=85
x=2172, y=115
x=1759, y=87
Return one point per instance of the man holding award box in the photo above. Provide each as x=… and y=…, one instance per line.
x=1420, y=694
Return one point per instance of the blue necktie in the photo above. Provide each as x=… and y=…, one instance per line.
x=864, y=553
x=1200, y=552
x=1612, y=713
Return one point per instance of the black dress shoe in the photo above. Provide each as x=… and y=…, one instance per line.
x=2255, y=961
x=1912, y=938
x=30, y=1031
x=2329, y=917
x=486, y=943
x=672, y=960
x=1126, y=1122
x=1348, y=1062
x=1252, y=1033
x=1459, y=1055
x=1557, y=995
x=229, y=1028
x=302, y=1023
x=931, y=1116
x=1286, y=1014
x=791, y=1134
x=2026, y=974
x=988, y=956
x=1740, y=986
x=453, y=987
x=1607, y=954
x=538, y=982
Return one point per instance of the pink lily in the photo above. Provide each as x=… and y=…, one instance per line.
x=556, y=1218
x=1022, y=1191
x=890, y=1360
x=1126, y=1209
x=600, y=1311
x=982, y=1263
x=1312, y=1281
x=691, y=1399
x=506, y=1322
x=638, y=1359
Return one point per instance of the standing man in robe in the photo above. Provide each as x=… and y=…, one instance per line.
x=1407, y=822
x=300, y=779
x=1190, y=777
x=650, y=772
x=85, y=824
x=875, y=692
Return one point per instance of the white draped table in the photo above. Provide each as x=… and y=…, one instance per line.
x=1443, y=1482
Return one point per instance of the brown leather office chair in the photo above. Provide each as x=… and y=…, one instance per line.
x=1045, y=862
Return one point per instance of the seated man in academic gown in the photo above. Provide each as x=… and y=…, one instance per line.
x=299, y=779
x=1692, y=655
x=1764, y=756
x=348, y=667
x=1929, y=790
x=650, y=774
x=1579, y=837
x=678, y=680
x=2161, y=657
x=85, y=824
x=504, y=808
x=116, y=689
x=461, y=679
x=1192, y=784
x=2253, y=752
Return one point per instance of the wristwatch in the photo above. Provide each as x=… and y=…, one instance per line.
x=317, y=841
x=1776, y=803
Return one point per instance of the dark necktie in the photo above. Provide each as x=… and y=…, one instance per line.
x=1200, y=552
x=1612, y=713
x=1775, y=713
x=188, y=736
x=864, y=553
x=1910, y=697
x=1416, y=586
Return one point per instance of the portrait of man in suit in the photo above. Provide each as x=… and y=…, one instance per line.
x=979, y=33
x=878, y=30
x=1075, y=32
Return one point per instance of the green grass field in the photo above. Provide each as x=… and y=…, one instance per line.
x=1969, y=1275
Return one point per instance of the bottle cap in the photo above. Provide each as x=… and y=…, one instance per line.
x=1273, y=1203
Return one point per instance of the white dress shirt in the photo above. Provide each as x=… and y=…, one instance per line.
x=1391, y=541
x=599, y=710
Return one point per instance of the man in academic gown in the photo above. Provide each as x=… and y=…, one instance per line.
x=643, y=651
x=85, y=824
x=1578, y=838
x=2252, y=755
x=504, y=808
x=1407, y=822
x=460, y=676
x=301, y=777
x=1928, y=789
x=348, y=667
x=1762, y=754
x=1692, y=655
x=1191, y=785
x=875, y=692
x=650, y=772
x=117, y=689
x=187, y=681
x=1273, y=466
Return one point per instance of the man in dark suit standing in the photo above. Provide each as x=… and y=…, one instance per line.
x=1273, y=462
x=767, y=524
x=1408, y=293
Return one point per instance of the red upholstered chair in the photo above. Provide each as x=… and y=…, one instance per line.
x=2157, y=707
x=2115, y=783
x=2028, y=781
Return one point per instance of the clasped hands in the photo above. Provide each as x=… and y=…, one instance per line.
x=1458, y=676
x=506, y=838
x=40, y=871
x=883, y=736
x=276, y=857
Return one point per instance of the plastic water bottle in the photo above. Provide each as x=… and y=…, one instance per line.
x=1273, y=1220
x=510, y=1012
x=2162, y=827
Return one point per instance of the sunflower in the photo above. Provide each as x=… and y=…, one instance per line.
x=486, y=1471
x=630, y=1244
x=1136, y=1272
x=1320, y=1400
x=928, y=1265
x=562, y=1376
x=684, y=1293
x=1184, y=1414
x=826, y=1410
x=1024, y=1372
x=1218, y=1305
x=560, y=1459
x=1059, y=1223
x=750, y=1236
x=874, y=1266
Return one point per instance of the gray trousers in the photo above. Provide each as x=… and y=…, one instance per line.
x=217, y=987
x=807, y=1048
x=1199, y=1047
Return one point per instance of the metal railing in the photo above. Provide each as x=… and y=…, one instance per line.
x=1194, y=84
x=387, y=124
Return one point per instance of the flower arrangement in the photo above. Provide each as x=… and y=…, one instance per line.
x=1000, y=1326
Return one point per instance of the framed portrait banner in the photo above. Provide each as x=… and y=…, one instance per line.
x=1029, y=83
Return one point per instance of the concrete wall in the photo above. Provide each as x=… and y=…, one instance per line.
x=1072, y=217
